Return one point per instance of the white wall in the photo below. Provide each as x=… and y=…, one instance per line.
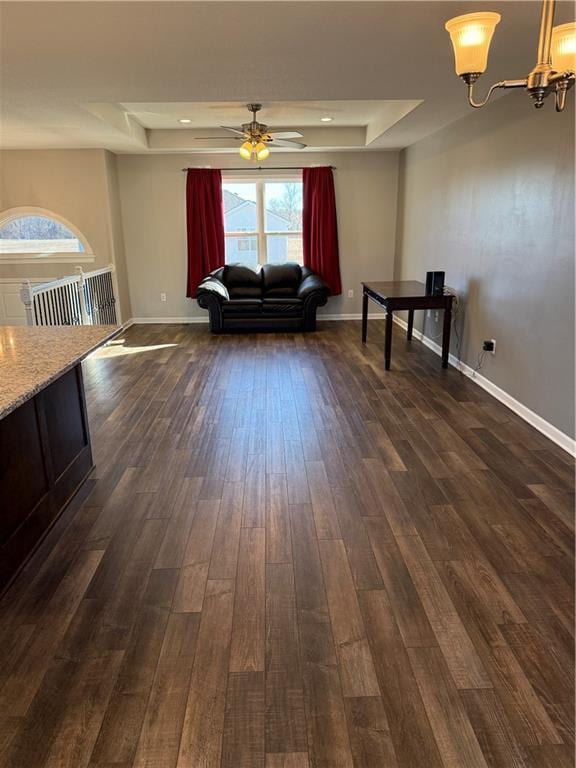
x=490, y=200
x=152, y=193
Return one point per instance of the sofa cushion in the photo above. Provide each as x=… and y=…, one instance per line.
x=284, y=307
x=242, y=282
x=281, y=280
x=242, y=307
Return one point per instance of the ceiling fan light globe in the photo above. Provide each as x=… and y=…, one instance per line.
x=261, y=150
x=245, y=150
x=563, y=49
x=471, y=35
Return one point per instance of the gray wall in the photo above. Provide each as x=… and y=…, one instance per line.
x=81, y=186
x=71, y=183
x=152, y=191
x=490, y=199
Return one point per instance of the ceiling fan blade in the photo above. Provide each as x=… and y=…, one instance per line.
x=218, y=138
x=234, y=130
x=285, y=134
x=286, y=143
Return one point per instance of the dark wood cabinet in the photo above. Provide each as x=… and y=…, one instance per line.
x=45, y=455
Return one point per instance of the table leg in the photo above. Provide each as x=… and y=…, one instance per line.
x=388, y=340
x=364, y=317
x=446, y=336
x=410, y=324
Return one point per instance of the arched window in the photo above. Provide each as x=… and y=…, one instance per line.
x=34, y=234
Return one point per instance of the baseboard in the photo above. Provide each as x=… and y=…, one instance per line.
x=167, y=320
x=155, y=320
x=357, y=316
x=548, y=430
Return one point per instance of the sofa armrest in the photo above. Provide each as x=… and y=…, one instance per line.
x=312, y=284
x=314, y=293
x=211, y=285
x=210, y=295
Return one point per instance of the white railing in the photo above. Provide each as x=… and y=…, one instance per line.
x=86, y=298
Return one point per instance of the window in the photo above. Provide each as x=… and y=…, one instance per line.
x=247, y=244
x=270, y=212
x=34, y=234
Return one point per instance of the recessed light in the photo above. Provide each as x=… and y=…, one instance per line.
x=326, y=119
x=184, y=120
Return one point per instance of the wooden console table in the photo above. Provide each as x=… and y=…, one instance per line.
x=405, y=295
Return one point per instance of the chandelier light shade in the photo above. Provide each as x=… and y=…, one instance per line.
x=246, y=150
x=471, y=35
x=254, y=150
x=261, y=150
x=563, y=48
x=553, y=73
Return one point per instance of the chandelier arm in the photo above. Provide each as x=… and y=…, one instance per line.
x=500, y=84
x=568, y=77
x=563, y=84
x=560, y=98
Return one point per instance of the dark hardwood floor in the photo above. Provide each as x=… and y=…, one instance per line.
x=288, y=557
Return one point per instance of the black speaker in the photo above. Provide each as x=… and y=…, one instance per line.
x=434, y=283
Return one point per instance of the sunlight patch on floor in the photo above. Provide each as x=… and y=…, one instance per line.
x=117, y=348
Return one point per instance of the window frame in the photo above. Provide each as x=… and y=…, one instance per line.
x=52, y=257
x=261, y=234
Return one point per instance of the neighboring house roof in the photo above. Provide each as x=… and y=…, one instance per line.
x=232, y=201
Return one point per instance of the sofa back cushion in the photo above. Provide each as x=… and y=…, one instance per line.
x=242, y=282
x=281, y=280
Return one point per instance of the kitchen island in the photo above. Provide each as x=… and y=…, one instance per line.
x=45, y=452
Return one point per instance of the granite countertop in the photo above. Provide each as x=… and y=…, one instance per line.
x=31, y=357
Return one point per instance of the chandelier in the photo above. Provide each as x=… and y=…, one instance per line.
x=254, y=150
x=472, y=33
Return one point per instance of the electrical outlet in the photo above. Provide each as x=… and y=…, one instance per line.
x=436, y=316
x=489, y=345
x=162, y=297
x=428, y=314
x=350, y=294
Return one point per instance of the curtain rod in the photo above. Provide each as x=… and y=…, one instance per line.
x=259, y=168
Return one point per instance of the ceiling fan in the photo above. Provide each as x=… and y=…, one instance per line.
x=256, y=138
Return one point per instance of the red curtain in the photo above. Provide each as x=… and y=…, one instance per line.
x=320, y=230
x=205, y=225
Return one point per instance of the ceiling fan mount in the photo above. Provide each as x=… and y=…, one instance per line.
x=255, y=131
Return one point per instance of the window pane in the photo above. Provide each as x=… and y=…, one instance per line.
x=242, y=250
x=239, y=207
x=283, y=203
x=282, y=248
x=37, y=234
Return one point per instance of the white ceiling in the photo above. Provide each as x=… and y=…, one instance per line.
x=355, y=124
x=120, y=74
x=305, y=114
